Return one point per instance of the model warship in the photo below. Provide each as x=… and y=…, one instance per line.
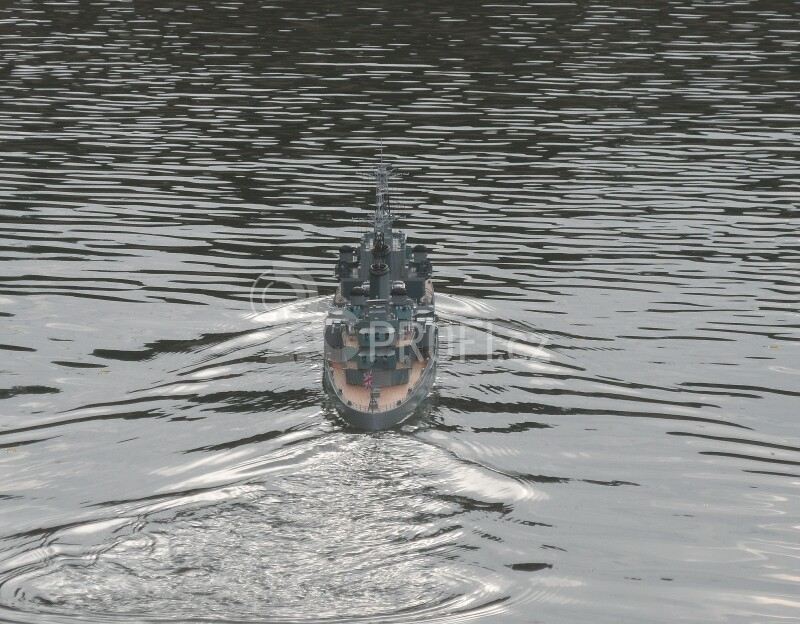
x=381, y=334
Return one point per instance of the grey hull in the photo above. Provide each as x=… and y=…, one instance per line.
x=379, y=420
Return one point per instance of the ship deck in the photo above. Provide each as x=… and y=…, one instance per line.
x=390, y=396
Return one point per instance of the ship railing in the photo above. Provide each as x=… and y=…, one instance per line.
x=365, y=407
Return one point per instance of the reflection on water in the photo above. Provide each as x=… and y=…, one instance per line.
x=610, y=196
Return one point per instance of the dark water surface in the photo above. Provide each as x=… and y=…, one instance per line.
x=611, y=194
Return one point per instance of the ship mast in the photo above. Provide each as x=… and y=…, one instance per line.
x=379, y=271
x=383, y=212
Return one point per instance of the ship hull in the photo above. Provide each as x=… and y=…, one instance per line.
x=387, y=418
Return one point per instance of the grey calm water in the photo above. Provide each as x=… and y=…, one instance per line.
x=611, y=194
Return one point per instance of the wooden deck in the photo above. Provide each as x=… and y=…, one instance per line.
x=359, y=396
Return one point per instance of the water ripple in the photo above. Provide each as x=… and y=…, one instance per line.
x=609, y=194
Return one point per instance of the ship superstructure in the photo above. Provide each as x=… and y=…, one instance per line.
x=381, y=334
